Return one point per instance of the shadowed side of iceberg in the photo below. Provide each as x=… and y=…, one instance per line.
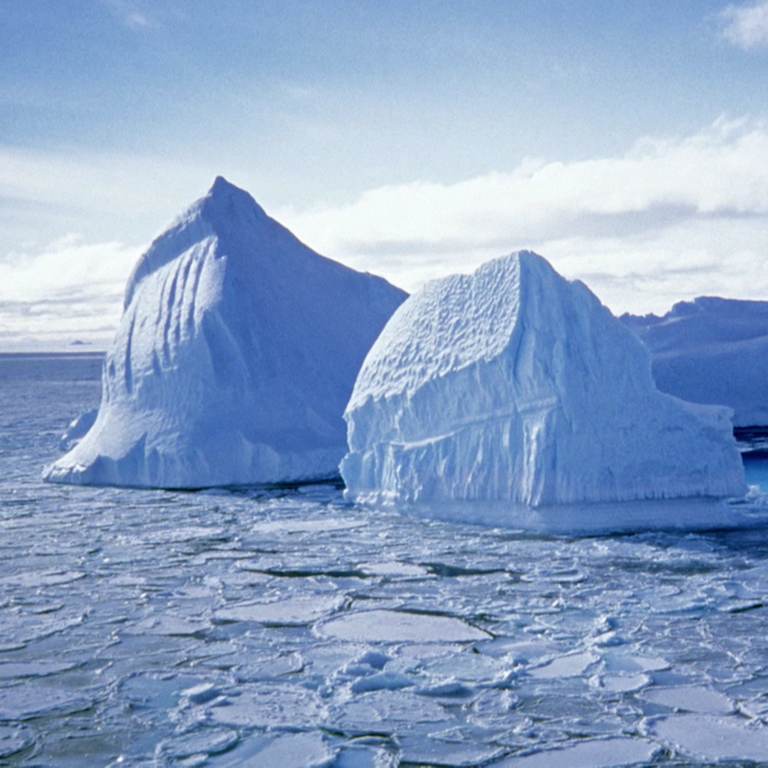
x=235, y=356
x=513, y=385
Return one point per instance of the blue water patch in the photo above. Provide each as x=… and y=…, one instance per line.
x=756, y=469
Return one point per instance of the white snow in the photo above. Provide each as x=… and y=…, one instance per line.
x=712, y=350
x=514, y=385
x=234, y=359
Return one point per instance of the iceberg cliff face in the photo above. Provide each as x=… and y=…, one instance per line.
x=513, y=384
x=712, y=350
x=234, y=359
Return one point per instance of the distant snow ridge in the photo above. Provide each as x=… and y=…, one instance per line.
x=513, y=384
x=235, y=356
x=712, y=350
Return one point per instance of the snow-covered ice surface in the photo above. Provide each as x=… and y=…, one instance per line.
x=235, y=356
x=712, y=350
x=291, y=629
x=515, y=385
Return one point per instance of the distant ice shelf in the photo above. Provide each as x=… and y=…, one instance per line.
x=712, y=350
x=236, y=354
x=514, y=385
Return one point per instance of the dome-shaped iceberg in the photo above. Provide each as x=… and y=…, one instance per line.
x=515, y=385
x=235, y=356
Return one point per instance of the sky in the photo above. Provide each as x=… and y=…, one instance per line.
x=625, y=142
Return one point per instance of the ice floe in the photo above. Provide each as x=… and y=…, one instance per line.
x=398, y=627
x=597, y=753
x=709, y=737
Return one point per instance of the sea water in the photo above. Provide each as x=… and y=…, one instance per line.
x=286, y=628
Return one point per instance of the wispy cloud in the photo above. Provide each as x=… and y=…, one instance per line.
x=71, y=290
x=672, y=218
x=129, y=13
x=634, y=224
x=745, y=26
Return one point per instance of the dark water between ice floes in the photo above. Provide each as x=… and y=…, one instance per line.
x=151, y=628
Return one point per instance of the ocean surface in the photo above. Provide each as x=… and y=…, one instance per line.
x=289, y=629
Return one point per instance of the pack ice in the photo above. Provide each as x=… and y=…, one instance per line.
x=513, y=384
x=712, y=350
x=235, y=356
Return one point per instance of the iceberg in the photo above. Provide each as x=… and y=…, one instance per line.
x=234, y=359
x=711, y=350
x=515, y=385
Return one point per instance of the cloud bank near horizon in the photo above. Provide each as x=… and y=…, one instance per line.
x=670, y=219
x=70, y=292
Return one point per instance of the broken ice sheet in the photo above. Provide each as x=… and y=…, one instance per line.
x=597, y=753
x=432, y=752
x=207, y=741
x=155, y=691
x=267, y=669
x=19, y=669
x=40, y=579
x=270, y=707
x=381, y=681
x=172, y=626
x=620, y=683
x=622, y=662
x=712, y=738
x=281, y=527
x=27, y=627
x=393, y=568
x=691, y=698
x=572, y=665
x=366, y=755
x=296, y=750
x=399, y=627
x=291, y=611
x=469, y=667
x=387, y=711
x=13, y=739
x=23, y=702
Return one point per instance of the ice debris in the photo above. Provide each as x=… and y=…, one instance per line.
x=513, y=384
x=235, y=356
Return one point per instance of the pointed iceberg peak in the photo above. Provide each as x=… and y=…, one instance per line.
x=235, y=356
x=222, y=186
x=227, y=203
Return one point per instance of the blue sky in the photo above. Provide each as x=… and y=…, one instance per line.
x=626, y=142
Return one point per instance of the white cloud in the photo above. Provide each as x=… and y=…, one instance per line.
x=69, y=291
x=670, y=219
x=745, y=26
x=129, y=14
x=665, y=221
